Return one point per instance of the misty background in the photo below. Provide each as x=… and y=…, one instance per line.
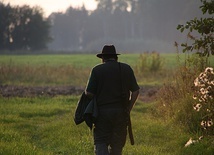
x=131, y=25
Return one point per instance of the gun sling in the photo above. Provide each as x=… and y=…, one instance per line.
x=129, y=125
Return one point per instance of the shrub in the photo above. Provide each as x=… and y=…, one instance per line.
x=175, y=96
x=149, y=63
x=204, y=99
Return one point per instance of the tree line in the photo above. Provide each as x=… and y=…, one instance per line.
x=133, y=25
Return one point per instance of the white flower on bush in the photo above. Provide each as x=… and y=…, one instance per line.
x=206, y=124
x=202, y=90
x=197, y=107
x=194, y=97
x=210, y=123
x=209, y=70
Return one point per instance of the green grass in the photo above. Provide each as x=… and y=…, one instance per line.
x=78, y=60
x=49, y=69
x=44, y=125
x=84, y=60
x=74, y=69
x=60, y=69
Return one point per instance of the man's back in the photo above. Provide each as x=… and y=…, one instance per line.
x=106, y=80
x=108, y=83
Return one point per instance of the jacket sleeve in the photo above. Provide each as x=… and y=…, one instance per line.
x=92, y=83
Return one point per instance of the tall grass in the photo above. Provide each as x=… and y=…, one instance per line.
x=43, y=75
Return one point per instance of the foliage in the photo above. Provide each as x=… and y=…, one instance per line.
x=23, y=27
x=151, y=69
x=149, y=62
x=204, y=99
x=203, y=45
x=175, y=96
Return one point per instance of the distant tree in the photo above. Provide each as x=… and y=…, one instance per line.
x=105, y=5
x=38, y=30
x=5, y=20
x=23, y=27
x=203, y=45
x=68, y=29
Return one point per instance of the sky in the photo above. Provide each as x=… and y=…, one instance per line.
x=54, y=5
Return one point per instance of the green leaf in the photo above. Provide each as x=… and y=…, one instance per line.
x=184, y=45
x=179, y=26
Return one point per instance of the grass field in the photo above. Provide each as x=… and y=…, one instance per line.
x=78, y=60
x=73, y=69
x=44, y=125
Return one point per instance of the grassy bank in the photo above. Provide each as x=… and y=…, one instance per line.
x=45, y=126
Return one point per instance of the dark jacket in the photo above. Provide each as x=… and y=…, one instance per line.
x=86, y=110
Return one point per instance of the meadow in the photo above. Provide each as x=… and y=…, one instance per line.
x=74, y=69
x=44, y=125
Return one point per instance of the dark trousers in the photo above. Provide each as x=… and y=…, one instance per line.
x=110, y=132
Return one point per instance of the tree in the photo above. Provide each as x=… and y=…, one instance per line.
x=23, y=27
x=204, y=45
x=5, y=11
x=69, y=28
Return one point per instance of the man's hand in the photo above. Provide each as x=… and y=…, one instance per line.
x=134, y=96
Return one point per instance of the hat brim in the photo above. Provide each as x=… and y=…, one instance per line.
x=100, y=55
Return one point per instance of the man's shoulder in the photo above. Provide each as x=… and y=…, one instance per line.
x=102, y=65
x=124, y=65
x=98, y=66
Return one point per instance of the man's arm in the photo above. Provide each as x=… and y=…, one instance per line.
x=134, y=96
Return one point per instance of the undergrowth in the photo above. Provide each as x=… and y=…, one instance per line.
x=175, y=98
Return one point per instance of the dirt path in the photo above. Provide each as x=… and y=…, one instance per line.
x=146, y=93
x=31, y=91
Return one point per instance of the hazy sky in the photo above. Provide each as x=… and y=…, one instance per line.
x=54, y=5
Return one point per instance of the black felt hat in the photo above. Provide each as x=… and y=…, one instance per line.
x=108, y=50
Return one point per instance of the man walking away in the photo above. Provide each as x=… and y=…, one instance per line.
x=108, y=83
